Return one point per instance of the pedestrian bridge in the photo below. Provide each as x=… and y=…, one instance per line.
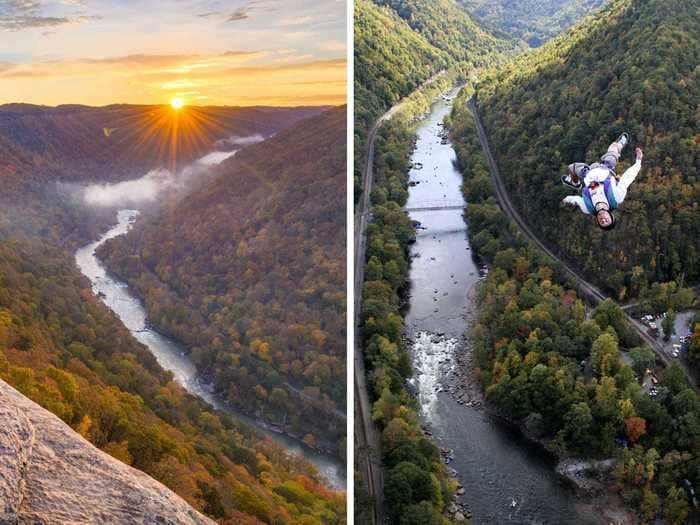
x=436, y=205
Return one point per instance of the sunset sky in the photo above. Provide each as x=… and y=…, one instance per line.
x=232, y=52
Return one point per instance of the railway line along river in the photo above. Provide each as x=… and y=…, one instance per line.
x=116, y=295
x=506, y=479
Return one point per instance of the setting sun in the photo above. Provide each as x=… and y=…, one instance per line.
x=177, y=103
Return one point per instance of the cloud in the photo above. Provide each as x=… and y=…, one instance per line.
x=339, y=63
x=239, y=14
x=136, y=79
x=334, y=45
x=130, y=192
x=296, y=20
x=17, y=23
x=18, y=15
x=175, y=65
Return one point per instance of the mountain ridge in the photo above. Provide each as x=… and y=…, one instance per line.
x=117, y=142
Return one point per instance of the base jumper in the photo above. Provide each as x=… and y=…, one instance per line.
x=602, y=192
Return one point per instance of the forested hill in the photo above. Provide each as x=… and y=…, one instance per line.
x=391, y=60
x=446, y=26
x=399, y=44
x=63, y=348
x=249, y=273
x=122, y=141
x=533, y=21
x=633, y=67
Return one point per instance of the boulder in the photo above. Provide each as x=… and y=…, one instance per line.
x=51, y=475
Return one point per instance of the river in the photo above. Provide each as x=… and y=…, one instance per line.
x=116, y=295
x=496, y=466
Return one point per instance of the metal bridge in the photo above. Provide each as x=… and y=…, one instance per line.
x=436, y=205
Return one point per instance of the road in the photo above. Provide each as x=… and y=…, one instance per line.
x=632, y=306
x=584, y=287
x=368, y=455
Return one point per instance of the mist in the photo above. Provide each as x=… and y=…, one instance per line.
x=130, y=192
x=239, y=141
x=151, y=187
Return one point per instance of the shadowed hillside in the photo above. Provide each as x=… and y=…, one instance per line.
x=399, y=44
x=249, y=273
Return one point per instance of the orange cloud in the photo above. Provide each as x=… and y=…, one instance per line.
x=231, y=78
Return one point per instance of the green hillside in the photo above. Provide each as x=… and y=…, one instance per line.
x=448, y=27
x=533, y=333
x=633, y=67
x=533, y=21
x=399, y=44
x=391, y=60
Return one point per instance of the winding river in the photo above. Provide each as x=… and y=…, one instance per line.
x=505, y=479
x=116, y=295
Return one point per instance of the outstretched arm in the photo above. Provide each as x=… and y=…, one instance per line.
x=628, y=176
x=573, y=200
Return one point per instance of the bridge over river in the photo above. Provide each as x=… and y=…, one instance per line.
x=437, y=205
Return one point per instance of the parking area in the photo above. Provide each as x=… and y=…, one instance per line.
x=678, y=343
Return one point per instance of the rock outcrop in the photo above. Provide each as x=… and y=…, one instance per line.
x=51, y=475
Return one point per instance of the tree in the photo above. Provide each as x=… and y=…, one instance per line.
x=212, y=500
x=422, y=513
x=577, y=424
x=674, y=378
x=636, y=427
x=643, y=359
x=650, y=502
x=676, y=506
x=606, y=398
x=407, y=484
x=605, y=354
x=668, y=324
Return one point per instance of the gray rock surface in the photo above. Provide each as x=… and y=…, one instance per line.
x=51, y=475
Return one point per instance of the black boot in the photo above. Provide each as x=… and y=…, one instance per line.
x=566, y=179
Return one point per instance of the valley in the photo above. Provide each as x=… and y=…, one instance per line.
x=519, y=345
x=172, y=357
x=63, y=348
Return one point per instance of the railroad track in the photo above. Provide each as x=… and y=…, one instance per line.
x=585, y=288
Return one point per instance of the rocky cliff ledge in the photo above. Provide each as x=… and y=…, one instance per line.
x=51, y=475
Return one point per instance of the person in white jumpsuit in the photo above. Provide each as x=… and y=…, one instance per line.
x=602, y=192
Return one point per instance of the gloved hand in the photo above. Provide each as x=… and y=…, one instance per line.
x=571, y=200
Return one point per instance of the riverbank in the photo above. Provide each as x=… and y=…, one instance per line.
x=149, y=280
x=491, y=462
x=585, y=476
x=171, y=356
